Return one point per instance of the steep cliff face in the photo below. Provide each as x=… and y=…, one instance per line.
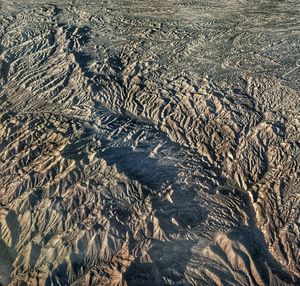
x=149, y=143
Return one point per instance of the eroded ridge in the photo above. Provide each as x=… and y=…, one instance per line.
x=123, y=164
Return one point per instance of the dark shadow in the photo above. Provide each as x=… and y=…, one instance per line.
x=166, y=256
x=83, y=59
x=139, y=166
x=7, y=253
x=59, y=274
x=14, y=226
x=253, y=241
x=4, y=70
x=146, y=274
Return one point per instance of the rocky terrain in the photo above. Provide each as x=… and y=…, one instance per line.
x=149, y=142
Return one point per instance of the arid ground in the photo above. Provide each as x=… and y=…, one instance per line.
x=149, y=143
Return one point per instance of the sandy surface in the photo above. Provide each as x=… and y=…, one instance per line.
x=149, y=142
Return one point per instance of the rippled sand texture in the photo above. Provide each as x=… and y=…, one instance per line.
x=149, y=143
